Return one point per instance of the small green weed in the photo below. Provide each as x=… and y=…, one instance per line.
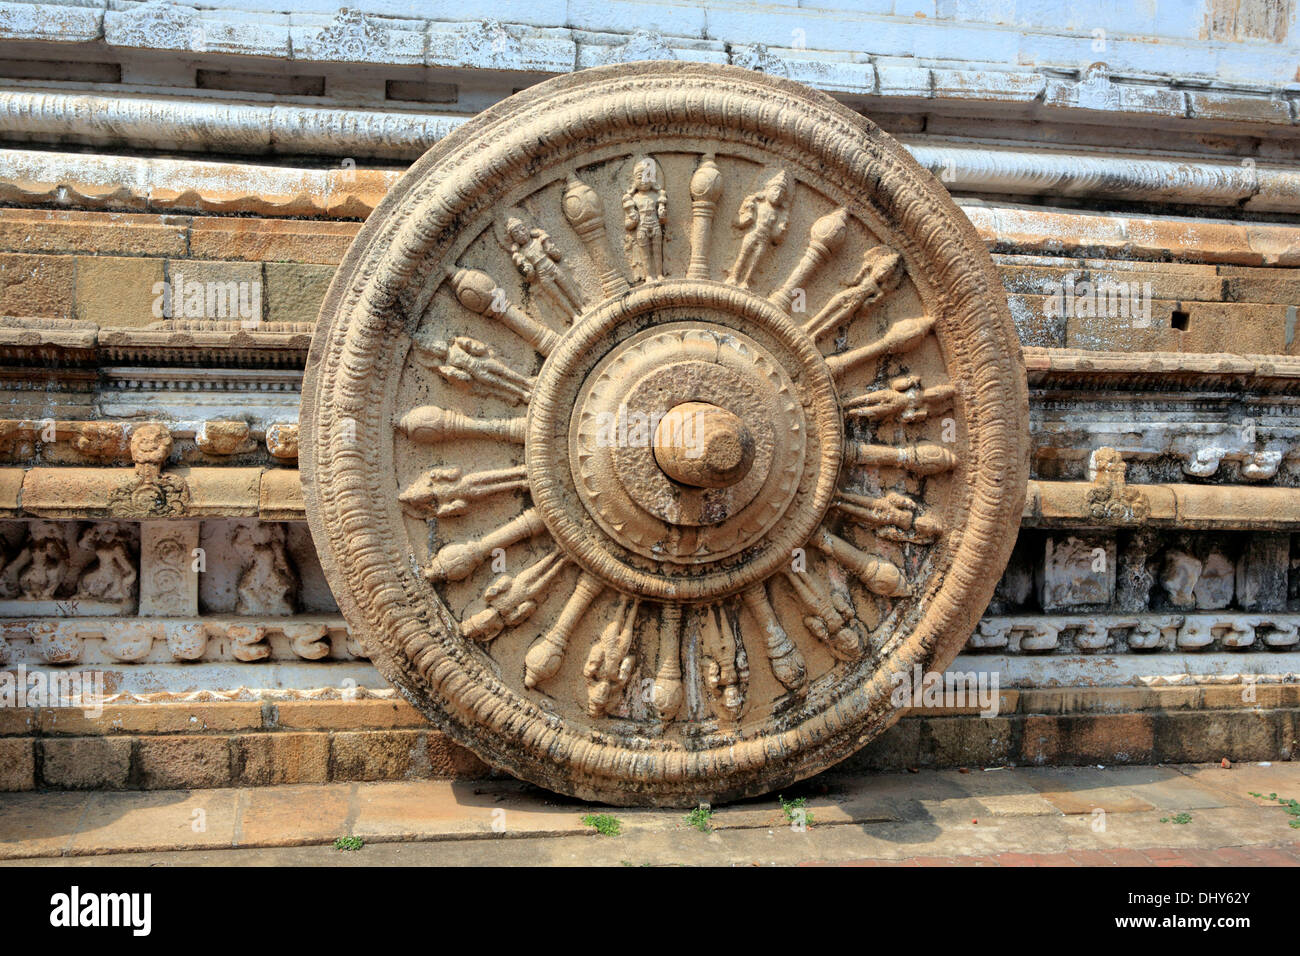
x=1292, y=807
x=701, y=818
x=603, y=823
x=796, y=810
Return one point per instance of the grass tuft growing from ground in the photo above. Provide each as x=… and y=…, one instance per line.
x=701, y=818
x=796, y=810
x=603, y=823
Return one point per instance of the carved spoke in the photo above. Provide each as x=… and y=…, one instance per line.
x=545, y=657
x=477, y=292
x=458, y=561
x=827, y=235
x=430, y=424
x=787, y=663
x=585, y=212
x=610, y=661
x=904, y=399
x=706, y=190
x=903, y=337
x=446, y=492
x=880, y=576
x=829, y=623
x=891, y=516
x=668, y=691
x=469, y=363
x=920, y=458
x=511, y=599
x=726, y=667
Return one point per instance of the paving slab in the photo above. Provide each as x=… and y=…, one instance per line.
x=1213, y=827
x=434, y=809
x=1241, y=780
x=943, y=796
x=1081, y=790
x=156, y=820
x=293, y=815
x=39, y=824
x=1157, y=787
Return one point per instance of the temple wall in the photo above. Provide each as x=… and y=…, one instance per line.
x=178, y=185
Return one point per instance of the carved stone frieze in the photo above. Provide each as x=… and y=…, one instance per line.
x=1142, y=633
x=145, y=641
x=655, y=524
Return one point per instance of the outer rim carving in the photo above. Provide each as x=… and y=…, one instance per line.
x=384, y=283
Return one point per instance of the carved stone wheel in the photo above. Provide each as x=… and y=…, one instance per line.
x=654, y=421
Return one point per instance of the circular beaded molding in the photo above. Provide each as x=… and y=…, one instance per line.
x=656, y=420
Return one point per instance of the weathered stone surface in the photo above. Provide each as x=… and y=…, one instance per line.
x=1118, y=738
x=1078, y=571
x=118, y=291
x=36, y=286
x=270, y=240
x=161, y=718
x=294, y=291
x=280, y=496
x=179, y=763
x=214, y=291
x=1087, y=233
x=17, y=764
x=169, y=579
x=346, y=715
x=272, y=815
x=1066, y=725
x=378, y=755
x=450, y=760
x=220, y=439
x=59, y=231
x=719, y=593
x=282, y=441
x=281, y=758
x=86, y=763
x=1262, y=572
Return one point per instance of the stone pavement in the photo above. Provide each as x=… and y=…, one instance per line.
x=1186, y=815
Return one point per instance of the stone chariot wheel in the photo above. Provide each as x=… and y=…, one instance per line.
x=656, y=419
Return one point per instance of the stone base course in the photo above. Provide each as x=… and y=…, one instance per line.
x=260, y=743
